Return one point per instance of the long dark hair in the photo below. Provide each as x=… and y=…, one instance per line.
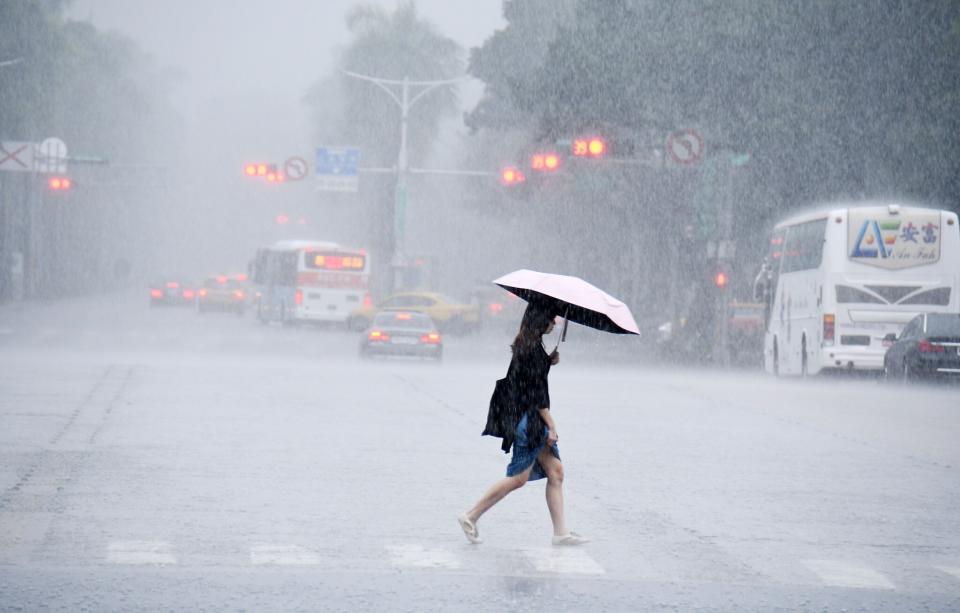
x=536, y=320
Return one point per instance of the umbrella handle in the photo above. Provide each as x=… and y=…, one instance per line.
x=563, y=335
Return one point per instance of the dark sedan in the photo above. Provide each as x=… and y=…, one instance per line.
x=402, y=333
x=171, y=292
x=929, y=346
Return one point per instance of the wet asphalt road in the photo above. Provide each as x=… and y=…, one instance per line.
x=157, y=459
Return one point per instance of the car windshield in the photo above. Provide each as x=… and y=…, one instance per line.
x=403, y=319
x=942, y=324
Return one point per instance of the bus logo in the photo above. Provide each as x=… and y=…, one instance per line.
x=877, y=240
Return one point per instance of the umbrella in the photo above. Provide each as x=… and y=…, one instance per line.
x=572, y=297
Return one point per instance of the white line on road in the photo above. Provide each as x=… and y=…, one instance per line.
x=563, y=560
x=417, y=556
x=283, y=555
x=140, y=552
x=950, y=570
x=845, y=574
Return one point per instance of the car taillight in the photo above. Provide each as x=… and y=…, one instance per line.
x=298, y=297
x=377, y=335
x=155, y=293
x=188, y=293
x=238, y=294
x=829, y=328
x=495, y=307
x=367, y=301
x=433, y=338
x=203, y=293
x=925, y=346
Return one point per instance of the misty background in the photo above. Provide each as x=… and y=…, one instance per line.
x=797, y=104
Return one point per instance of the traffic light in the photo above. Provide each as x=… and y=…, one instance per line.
x=545, y=162
x=59, y=184
x=511, y=176
x=593, y=147
x=260, y=170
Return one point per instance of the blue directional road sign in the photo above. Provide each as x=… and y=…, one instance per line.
x=336, y=169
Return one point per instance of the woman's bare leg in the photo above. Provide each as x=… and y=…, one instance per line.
x=554, y=469
x=496, y=493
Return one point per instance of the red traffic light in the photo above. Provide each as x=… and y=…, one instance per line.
x=511, y=176
x=545, y=162
x=720, y=279
x=59, y=184
x=589, y=147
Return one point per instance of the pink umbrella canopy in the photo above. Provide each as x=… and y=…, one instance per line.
x=571, y=297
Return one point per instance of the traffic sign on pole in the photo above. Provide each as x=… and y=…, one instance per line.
x=16, y=156
x=685, y=147
x=295, y=168
x=51, y=156
x=336, y=169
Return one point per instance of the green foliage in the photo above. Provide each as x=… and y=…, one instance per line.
x=831, y=98
x=95, y=90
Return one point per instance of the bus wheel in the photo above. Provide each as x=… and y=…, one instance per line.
x=803, y=357
x=776, y=358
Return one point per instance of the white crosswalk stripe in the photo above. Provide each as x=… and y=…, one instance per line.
x=950, y=570
x=417, y=556
x=563, y=560
x=846, y=574
x=282, y=555
x=140, y=552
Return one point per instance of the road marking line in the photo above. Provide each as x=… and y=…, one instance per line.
x=417, y=556
x=563, y=560
x=283, y=555
x=140, y=552
x=844, y=574
x=950, y=570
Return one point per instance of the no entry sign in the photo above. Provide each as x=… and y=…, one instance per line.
x=685, y=147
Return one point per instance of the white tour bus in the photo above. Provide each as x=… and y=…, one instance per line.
x=309, y=281
x=838, y=280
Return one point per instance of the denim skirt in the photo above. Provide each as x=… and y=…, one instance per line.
x=524, y=455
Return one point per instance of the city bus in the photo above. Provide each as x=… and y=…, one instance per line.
x=309, y=281
x=836, y=281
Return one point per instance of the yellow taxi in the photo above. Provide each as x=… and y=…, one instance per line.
x=449, y=315
x=222, y=293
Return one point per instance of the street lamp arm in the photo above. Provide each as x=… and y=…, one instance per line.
x=401, y=81
x=379, y=83
x=433, y=86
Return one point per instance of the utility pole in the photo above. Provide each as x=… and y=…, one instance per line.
x=405, y=99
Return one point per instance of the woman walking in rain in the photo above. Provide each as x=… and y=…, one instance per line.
x=524, y=421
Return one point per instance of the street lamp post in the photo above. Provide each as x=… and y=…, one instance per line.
x=405, y=102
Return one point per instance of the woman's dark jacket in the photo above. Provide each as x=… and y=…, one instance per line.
x=523, y=390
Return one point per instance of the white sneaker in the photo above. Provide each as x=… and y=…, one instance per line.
x=570, y=538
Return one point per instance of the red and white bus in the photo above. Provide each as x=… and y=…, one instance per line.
x=309, y=281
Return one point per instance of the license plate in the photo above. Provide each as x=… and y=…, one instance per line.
x=404, y=340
